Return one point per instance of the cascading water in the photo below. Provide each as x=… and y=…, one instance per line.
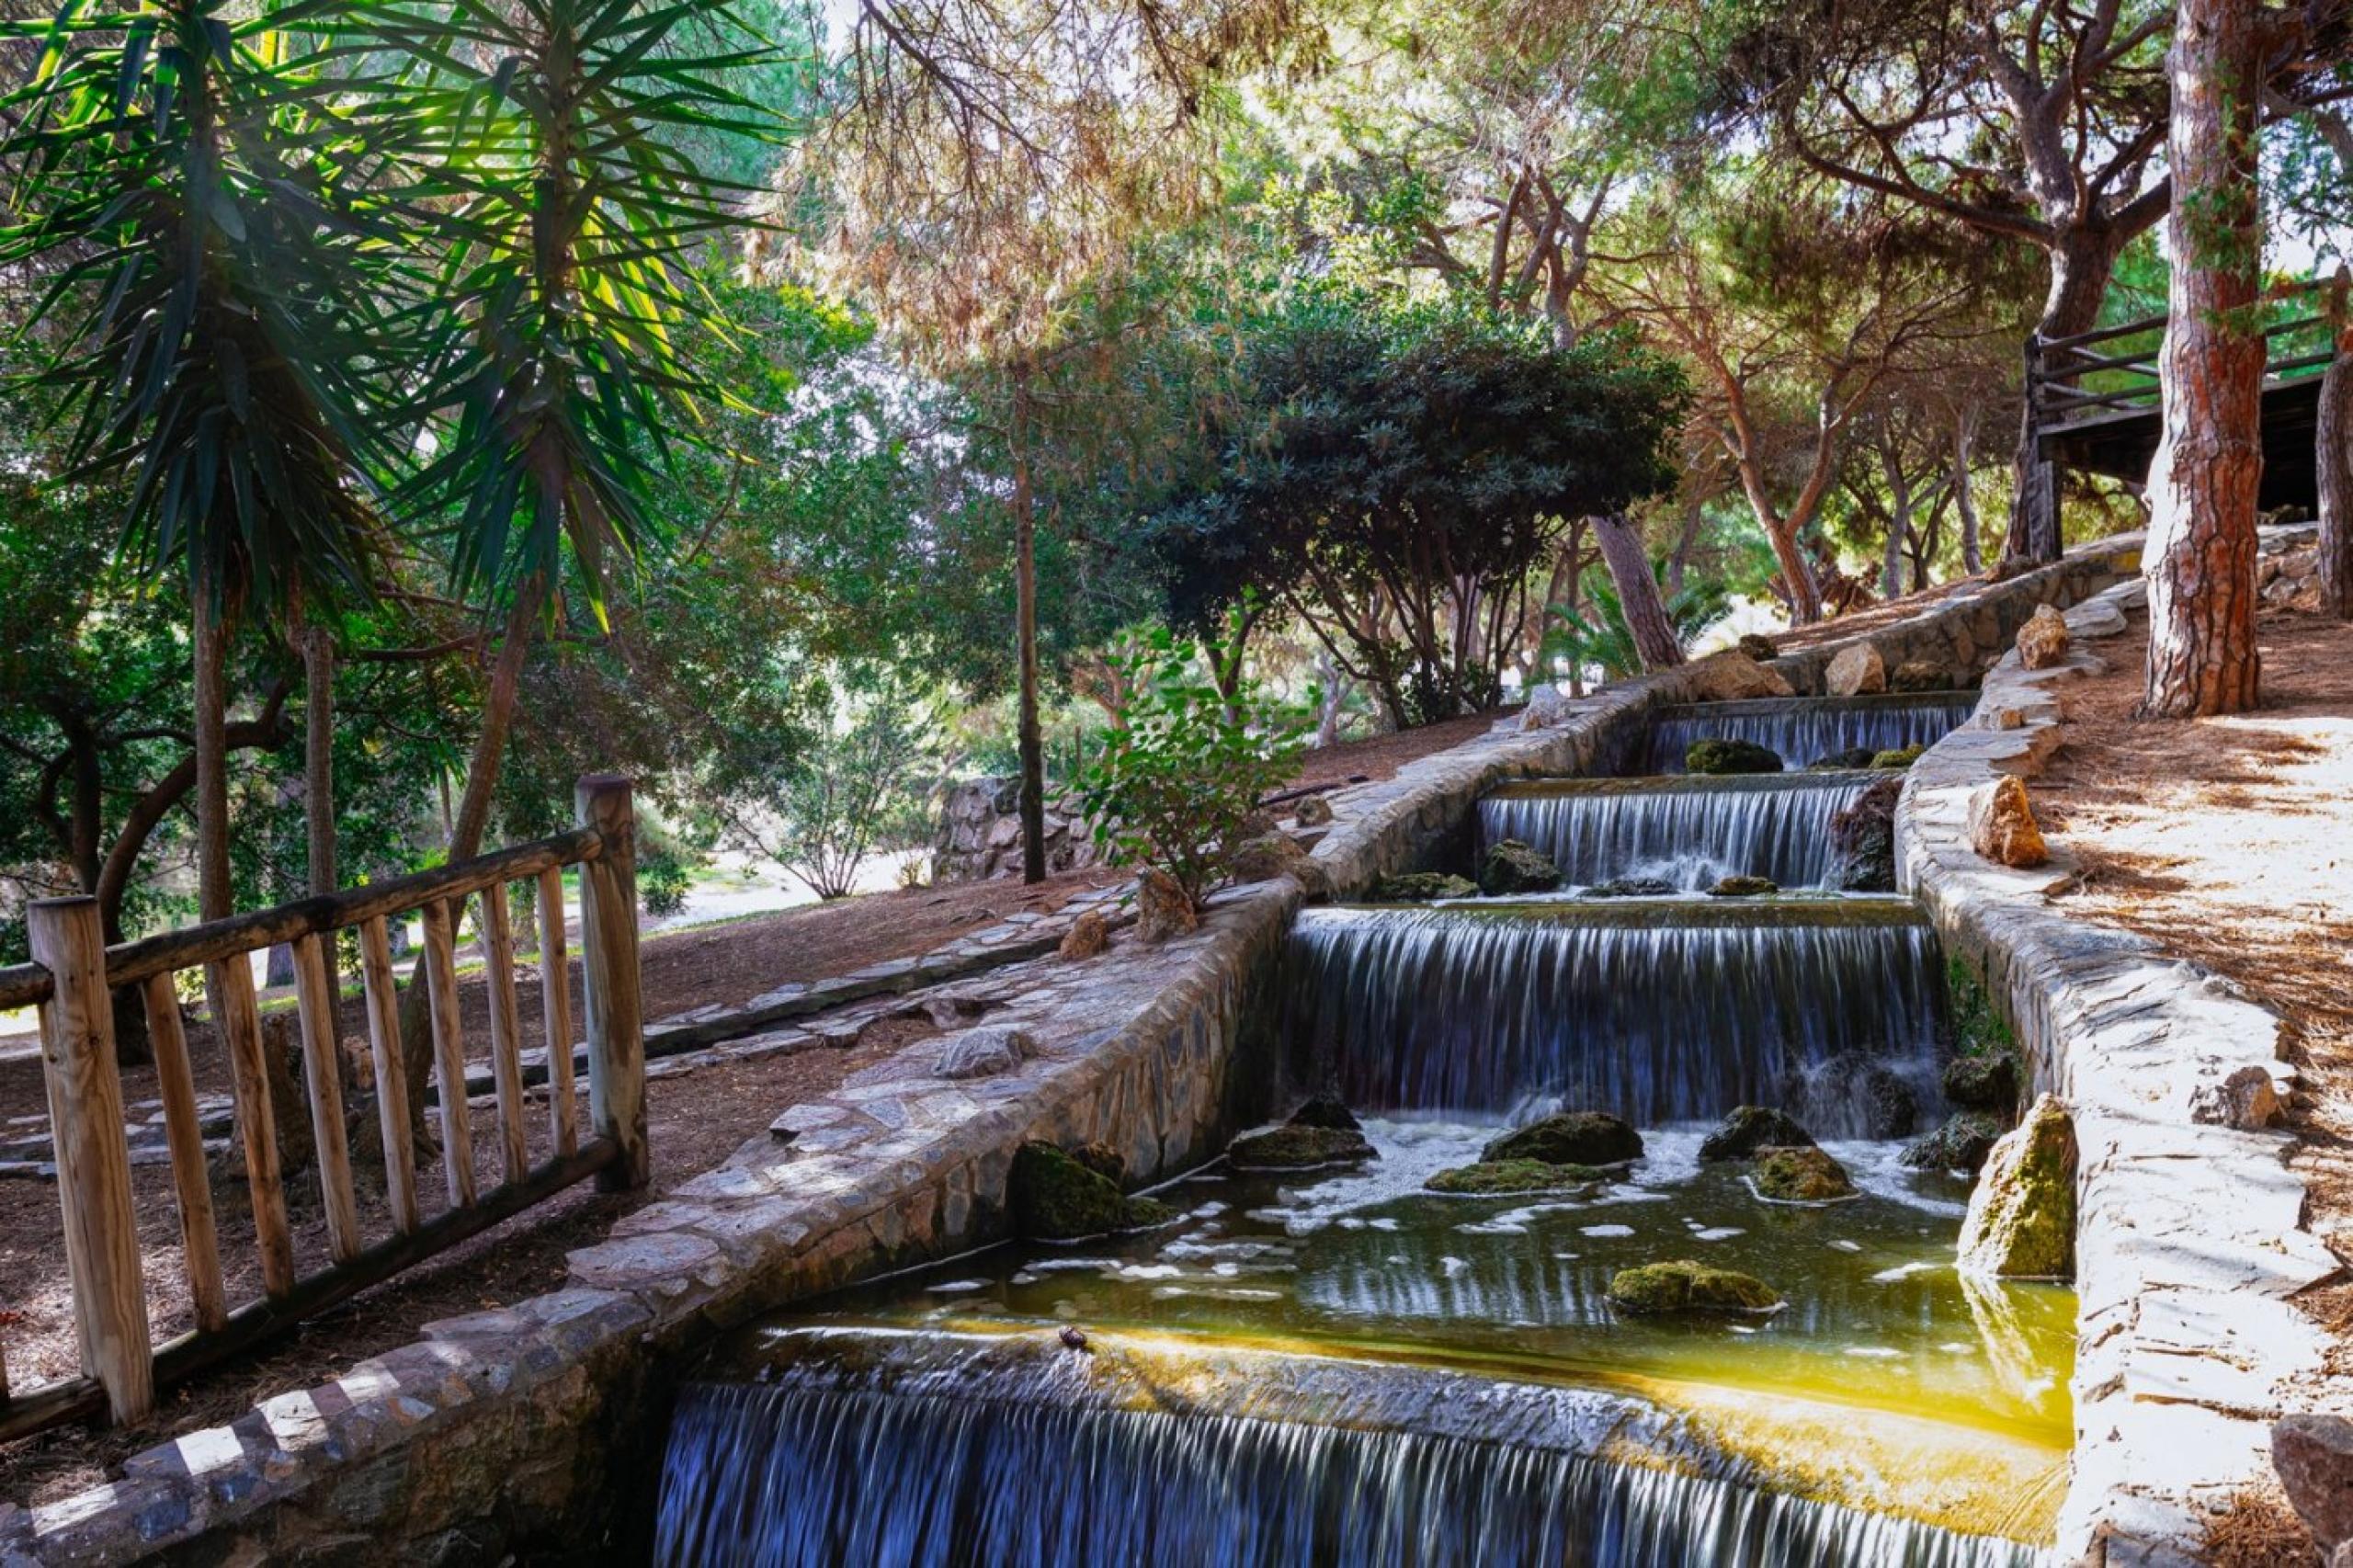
x=1801, y=730
x=1656, y=1010
x=1687, y=831
x=833, y=1469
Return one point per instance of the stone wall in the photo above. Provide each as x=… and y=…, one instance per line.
x=980, y=833
x=2189, y=1243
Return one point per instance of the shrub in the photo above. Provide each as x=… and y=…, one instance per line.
x=1176, y=787
x=664, y=874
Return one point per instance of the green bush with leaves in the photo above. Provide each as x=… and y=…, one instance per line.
x=1175, y=786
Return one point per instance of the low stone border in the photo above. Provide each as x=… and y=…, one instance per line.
x=504, y=1429
x=2190, y=1241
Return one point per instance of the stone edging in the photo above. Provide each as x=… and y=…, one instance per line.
x=2189, y=1241
x=506, y=1427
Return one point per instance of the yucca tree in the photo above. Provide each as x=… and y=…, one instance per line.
x=215, y=285
x=558, y=144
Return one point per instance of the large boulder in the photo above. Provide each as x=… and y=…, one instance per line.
x=1854, y=672
x=1570, y=1138
x=2002, y=826
x=1741, y=887
x=2042, y=640
x=1862, y=840
x=1961, y=1144
x=1720, y=755
x=1732, y=677
x=1631, y=887
x=1511, y=866
x=1416, y=886
x=1054, y=1197
x=1498, y=1177
x=1683, y=1286
x=1806, y=1175
x=1750, y=1128
x=1987, y=1082
x=1323, y=1110
x=2021, y=1221
x=1294, y=1147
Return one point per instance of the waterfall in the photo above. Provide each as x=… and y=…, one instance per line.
x=1688, y=832
x=788, y=1474
x=1802, y=730
x=1655, y=1010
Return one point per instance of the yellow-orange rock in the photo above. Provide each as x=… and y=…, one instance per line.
x=2042, y=640
x=1087, y=935
x=2001, y=824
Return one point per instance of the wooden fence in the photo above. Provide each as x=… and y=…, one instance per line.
x=73, y=974
x=2056, y=368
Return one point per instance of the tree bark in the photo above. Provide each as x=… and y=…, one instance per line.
x=211, y=715
x=318, y=754
x=1964, y=437
x=1899, y=519
x=1032, y=739
x=2082, y=261
x=1647, y=621
x=2199, y=561
x=2333, y=452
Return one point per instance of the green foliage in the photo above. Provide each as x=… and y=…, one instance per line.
x=1175, y=786
x=666, y=870
x=1979, y=1028
x=1596, y=637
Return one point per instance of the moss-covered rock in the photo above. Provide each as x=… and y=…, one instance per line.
x=1569, y=1138
x=1631, y=887
x=1414, y=887
x=1899, y=759
x=1750, y=1128
x=1982, y=1082
x=1801, y=1176
x=1512, y=867
x=1291, y=1147
x=1683, y=1286
x=1720, y=755
x=1323, y=1110
x=2021, y=1221
x=1961, y=1144
x=1498, y=1176
x=1742, y=887
x=1103, y=1160
x=1847, y=761
x=1056, y=1199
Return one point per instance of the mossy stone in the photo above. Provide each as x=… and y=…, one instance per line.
x=1056, y=1199
x=1103, y=1160
x=1742, y=887
x=1500, y=1177
x=1720, y=755
x=1846, y=761
x=1683, y=1286
x=1569, y=1138
x=1511, y=866
x=1801, y=1176
x=1416, y=886
x=1294, y=1147
x=1750, y=1128
x=1900, y=757
x=1982, y=1082
x=1961, y=1144
x=1631, y=887
x=2021, y=1221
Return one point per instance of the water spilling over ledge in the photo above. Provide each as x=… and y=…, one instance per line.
x=954, y=1449
x=1801, y=730
x=1656, y=1010
x=1686, y=831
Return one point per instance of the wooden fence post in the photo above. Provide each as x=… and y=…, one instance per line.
x=608, y=955
x=93, y=1153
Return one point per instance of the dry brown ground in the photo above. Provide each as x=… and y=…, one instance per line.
x=695, y=1120
x=2230, y=841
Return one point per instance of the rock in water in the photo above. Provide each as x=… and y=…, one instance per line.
x=1414, y=887
x=1853, y=758
x=1292, y=1147
x=1103, y=1160
x=1511, y=866
x=1498, y=1178
x=1898, y=757
x=1961, y=1144
x=2042, y=640
x=1569, y=1138
x=1801, y=1176
x=1922, y=674
x=1162, y=909
x=1087, y=935
x=1750, y=1128
x=1325, y=1111
x=1742, y=887
x=1683, y=1286
x=1056, y=1199
x=1072, y=1338
x=1732, y=676
x=2001, y=824
x=1716, y=755
x=2021, y=1221
x=1757, y=647
x=1631, y=887
x=1854, y=672
x=1863, y=841
x=1982, y=1082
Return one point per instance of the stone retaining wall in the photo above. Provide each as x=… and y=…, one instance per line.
x=538, y=1427
x=2188, y=1242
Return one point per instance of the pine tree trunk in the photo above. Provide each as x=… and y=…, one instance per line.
x=2333, y=452
x=212, y=639
x=318, y=754
x=1964, y=435
x=1655, y=642
x=1032, y=741
x=1797, y=573
x=2200, y=559
x=2082, y=261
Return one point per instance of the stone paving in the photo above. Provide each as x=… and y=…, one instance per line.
x=505, y=1429
x=2189, y=1243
